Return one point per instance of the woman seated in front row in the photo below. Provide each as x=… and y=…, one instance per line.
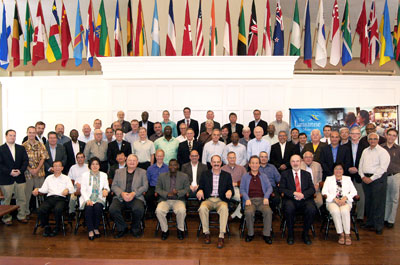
x=339, y=191
x=94, y=190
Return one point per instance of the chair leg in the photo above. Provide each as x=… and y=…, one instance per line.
x=313, y=230
x=242, y=227
x=228, y=231
x=328, y=222
x=353, y=220
x=36, y=226
x=104, y=224
x=199, y=229
x=157, y=228
x=63, y=224
x=78, y=219
x=186, y=229
x=283, y=228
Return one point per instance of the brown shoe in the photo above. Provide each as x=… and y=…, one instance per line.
x=220, y=243
x=24, y=221
x=341, y=239
x=348, y=240
x=207, y=238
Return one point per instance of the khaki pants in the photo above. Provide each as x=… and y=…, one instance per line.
x=179, y=209
x=361, y=203
x=392, y=198
x=30, y=185
x=318, y=199
x=19, y=191
x=236, y=197
x=214, y=204
x=340, y=216
x=250, y=211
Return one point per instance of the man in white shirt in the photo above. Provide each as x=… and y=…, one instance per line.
x=57, y=186
x=237, y=148
x=194, y=169
x=327, y=134
x=214, y=147
x=144, y=149
x=75, y=173
x=271, y=137
x=182, y=129
x=258, y=144
x=87, y=135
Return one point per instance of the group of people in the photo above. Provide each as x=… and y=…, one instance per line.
x=158, y=166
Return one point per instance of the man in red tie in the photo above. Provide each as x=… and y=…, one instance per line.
x=298, y=197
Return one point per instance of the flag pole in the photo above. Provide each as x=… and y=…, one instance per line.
x=327, y=39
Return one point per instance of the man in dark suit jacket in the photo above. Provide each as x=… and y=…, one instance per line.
x=183, y=148
x=315, y=140
x=232, y=123
x=298, y=195
x=371, y=128
x=298, y=148
x=13, y=163
x=71, y=156
x=187, y=120
x=125, y=125
x=282, y=163
x=146, y=123
x=39, y=127
x=188, y=168
x=118, y=145
x=60, y=154
x=209, y=116
x=257, y=119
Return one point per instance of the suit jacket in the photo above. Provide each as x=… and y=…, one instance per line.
x=225, y=184
x=61, y=155
x=297, y=149
x=150, y=128
x=263, y=124
x=326, y=160
x=113, y=149
x=182, y=185
x=360, y=148
x=287, y=185
x=276, y=155
x=203, y=126
x=112, y=169
x=70, y=154
x=364, y=140
x=139, y=183
x=239, y=129
x=193, y=124
x=7, y=164
x=37, y=138
x=309, y=147
x=183, y=151
x=187, y=169
x=125, y=126
x=316, y=171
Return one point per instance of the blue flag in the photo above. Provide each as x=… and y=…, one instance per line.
x=278, y=32
x=155, y=33
x=307, y=38
x=5, y=32
x=78, y=40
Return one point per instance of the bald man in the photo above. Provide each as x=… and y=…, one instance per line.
x=126, y=126
x=280, y=125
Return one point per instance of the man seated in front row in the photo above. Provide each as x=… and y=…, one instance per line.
x=216, y=190
x=172, y=188
x=75, y=173
x=194, y=169
x=256, y=189
x=298, y=189
x=57, y=186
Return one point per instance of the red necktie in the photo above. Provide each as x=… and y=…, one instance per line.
x=297, y=182
x=187, y=123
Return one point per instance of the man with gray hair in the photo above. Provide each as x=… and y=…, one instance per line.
x=315, y=146
x=280, y=125
x=86, y=136
x=209, y=116
x=246, y=136
x=97, y=148
x=125, y=125
x=344, y=133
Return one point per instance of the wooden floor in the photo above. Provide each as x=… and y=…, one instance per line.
x=17, y=240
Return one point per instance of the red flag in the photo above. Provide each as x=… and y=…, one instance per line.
x=187, y=47
x=38, y=37
x=253, y=32
x=139, y=39
x=199, y=34
x=228, y=50
x=129, y=28
x=65, y=37
x=362, y=31
x=16, y=34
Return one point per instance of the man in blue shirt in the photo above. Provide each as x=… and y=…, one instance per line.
x=167, y=122
x=274, y=178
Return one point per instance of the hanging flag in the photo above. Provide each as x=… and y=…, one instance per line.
x=117, y=33
x=346, y=30
x=16, y=33
x=102, y=41
x=396, y=39
x=228, y=50
x=200, y=51
x=65, y=37
x=267, y=43
x=129, y=29
x=39, y=37
x=295, y=37
x=170, y=49
x=362, y=31
x=373, y=35
x=5, y=32
x=155, y=33
x=139, y=39
x=89, y=41
x=307, y=37
x=279, y=31
x=187, y=46
x=78, y=40
x=53, y=52
x=253, y=32
x=28, y=35
x=242, y=41
x=386, y=38
x=213, y=33
x=335, y=36
x=320, y=53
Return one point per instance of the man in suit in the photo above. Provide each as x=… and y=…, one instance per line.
x=187, y=146
x=216, y=190
x=145, y=123
x=315, y=146
x=128, y=186
x=281, y=152
x=72, y=148
x=315, y=169
x=121, y=163
x=334, y=153
x=233, y=126
x=39, y=127
x=125, y=125
x=56, y=153
x=371, y=128
x=13, y=163
x=190, y=123
x=172, y=187
x=118, y=145
x=298, y=148
x=194, y=169
x=209, y=116
x=257, y=122
x=298, y=195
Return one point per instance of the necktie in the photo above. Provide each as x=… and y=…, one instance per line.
x=297, y=182
x=187, y=123
x=190, y=146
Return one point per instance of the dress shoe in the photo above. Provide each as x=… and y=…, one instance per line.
x=97, y=235
x=220, y=243
x=91, y=238
x=267, y=239
x=290, y=240
x=121, y=233
x=389, y=225
x=8, y=223
x=137, y=233
x=23, y=221
x=249, y=238
x=379, y=231
x=180, y=234
x=47, y=231
x=164, y=235
x=307, y=240
x=207, y=238
x=366, y=226
x=54, y=232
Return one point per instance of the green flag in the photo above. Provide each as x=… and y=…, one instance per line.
x=295, y=38
x=28, y=36
x=242, y=42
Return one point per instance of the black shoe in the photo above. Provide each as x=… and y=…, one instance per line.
x=366, y=226
x=54, y=232
x=249, y=238
x=136, y=233
x=180, y=234
x=379, y=231
x=290, y=240
x=164, y=235
x=268, y=240
x=389, y=225
x=47, y=231
x=91, y=238
x=121, y=233
x=307, y=240
x=97, y=235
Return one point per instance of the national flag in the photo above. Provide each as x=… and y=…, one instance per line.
x=89, y=41
x=170, y=49
x=65, y=37
x=267, y=43
x=346, y=30
x=279, y=31
x=373, y=35
x=386, y=38
x=53, y=52
x=228, y=50
x=253, y=32
x=187, y=46
x=213, y=33
x=102, y=41
x=242, y=41
x=117, y=33
x=295, y=36
x=5, y=32
x=139, y=39
x=155, y=33
x=396, y=39
x=16, y=33
x=307, y=36
x=78, y=40
x=362, y=31
x=129, y=29
x=200, y=51
x=28, y=35
x=39, y=37
x=320, y=53
x=335, y=36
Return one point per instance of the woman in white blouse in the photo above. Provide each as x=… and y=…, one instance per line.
x=339, y=191
x=94, y=190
